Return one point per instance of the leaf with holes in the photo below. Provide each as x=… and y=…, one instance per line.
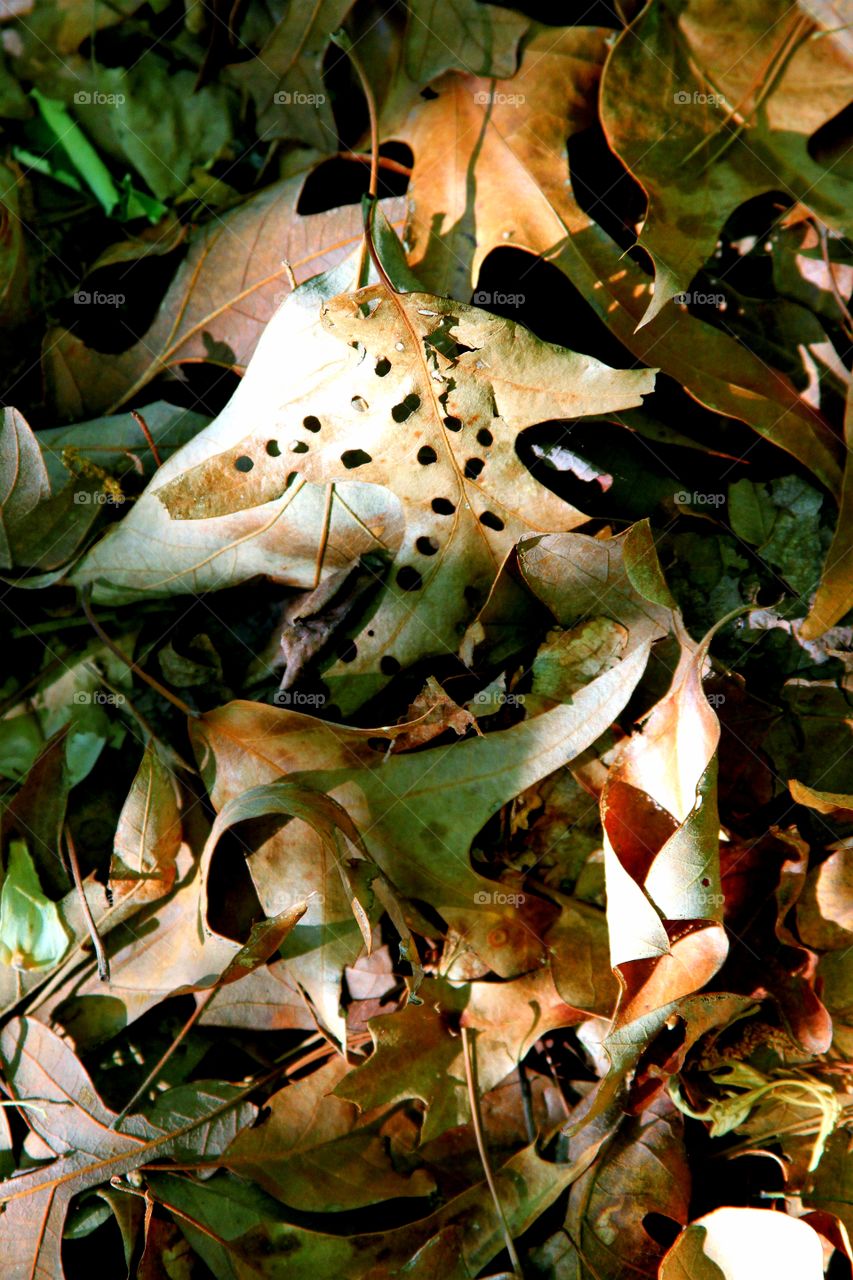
x=425, y=397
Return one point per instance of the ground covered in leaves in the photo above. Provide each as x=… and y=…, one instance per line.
x=426, y=715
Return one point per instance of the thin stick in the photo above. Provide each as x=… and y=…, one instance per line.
x=143, y=675
x=103, y=962
x=385, y=162
x=205, y=1000
x=527, y=1102
x=169, y=751
x=143, y=427
x=846, y=318
x=471, y=1078
x=342, y=40
x=324, y=536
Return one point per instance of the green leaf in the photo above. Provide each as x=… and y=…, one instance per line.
x=32, y=934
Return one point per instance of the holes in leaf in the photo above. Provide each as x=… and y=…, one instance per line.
x=347, y=651
x=359, y=404
x=244, y=463
x=389, y=666
x=473, y=467
x=311, y=423
x=426, y=546
x=453, y=424
x=491, y=521
x=442, y=507
x=427, y=455
x=383, y=367
x=705, y=882
x=485, y=437
x=473, y=597
x=408, y=578
x=406, y=407
x=352, y=458
x=272, y=449
x=299, y=446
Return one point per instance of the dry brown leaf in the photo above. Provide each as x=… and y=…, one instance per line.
x=225, y=292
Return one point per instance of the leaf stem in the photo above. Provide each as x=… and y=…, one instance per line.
x=342, y=40
x=202, y=1004
x=143, y=675
x=143, y=427
x=101, y=955
x=469, y=1057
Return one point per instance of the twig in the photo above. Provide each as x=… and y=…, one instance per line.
x=101, y=955
x=143, y=675
x=143, y=427
x=202, y=1004
x=342, y=40
x=174, y=757
x=846, y=318
x=385, y=162
x=527, y=1102
x=471, y=1078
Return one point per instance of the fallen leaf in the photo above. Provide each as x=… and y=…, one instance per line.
x=76, y=1125
x=224, y=293
x=724, y=117
x=32, y=935
x=464, y=383
x=723, y=1245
